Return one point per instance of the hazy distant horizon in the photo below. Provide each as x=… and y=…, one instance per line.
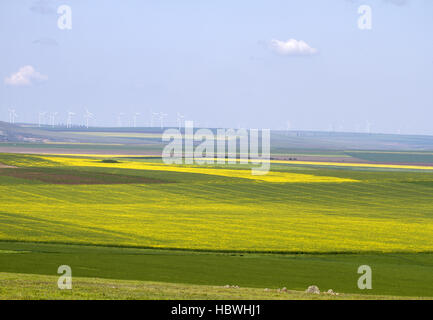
x=298, y=65
x=62, y=127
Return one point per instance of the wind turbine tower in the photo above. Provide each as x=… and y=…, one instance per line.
x=41, y=118
x=180, y=120
x=369, y=127
x=53, y=118
x=69, y=120
x=119, y=119
x=12, y=116
x=161, y=117
x=153, y=116
x=88, y=115
x=135, y=119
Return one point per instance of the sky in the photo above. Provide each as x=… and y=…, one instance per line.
x=278, y=64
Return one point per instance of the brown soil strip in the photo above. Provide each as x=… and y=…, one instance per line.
x=74, y=178
x=2, y=166
x=321, y=159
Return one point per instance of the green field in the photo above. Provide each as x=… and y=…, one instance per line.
x=394, y=157
x=205, y=227
x=37, y=287
x=396, y=274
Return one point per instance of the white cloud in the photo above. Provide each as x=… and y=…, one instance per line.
x=24, y=77
x=292, y=47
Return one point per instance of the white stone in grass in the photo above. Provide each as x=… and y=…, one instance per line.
x=313, y=289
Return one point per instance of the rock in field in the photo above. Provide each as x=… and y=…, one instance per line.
x=313, y=289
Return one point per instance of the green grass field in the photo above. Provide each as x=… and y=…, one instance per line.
x=119, y=221
x=37, y=287
x=396, y=274
x=394, y=157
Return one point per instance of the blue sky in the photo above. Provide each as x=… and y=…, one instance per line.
x=222, y=63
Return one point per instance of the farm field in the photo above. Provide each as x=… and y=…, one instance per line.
x=394, y=157
x=224, y=150
x=395, y=274
x=37, y=287
x=215, y=225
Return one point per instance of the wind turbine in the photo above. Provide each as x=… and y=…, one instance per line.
x=69, y=120
x=154, y=114
x=12, y=116
x=135, y=119
x=179, y=119
x=161, y=117
x=41, y=118
x=369, y=124
x=88, y=115
x=288, y=126
x=357, y=127
x=53, y=117
x=119, y=119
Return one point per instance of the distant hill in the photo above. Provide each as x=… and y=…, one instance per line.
x=349, y=141
x=15, y=133
x=33, y=134
x=281, y=141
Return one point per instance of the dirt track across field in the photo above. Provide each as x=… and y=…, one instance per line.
x=2, y=166
x=319, y=158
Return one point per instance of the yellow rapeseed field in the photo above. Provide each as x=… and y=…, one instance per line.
x=272, y=176
x=330, y=214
